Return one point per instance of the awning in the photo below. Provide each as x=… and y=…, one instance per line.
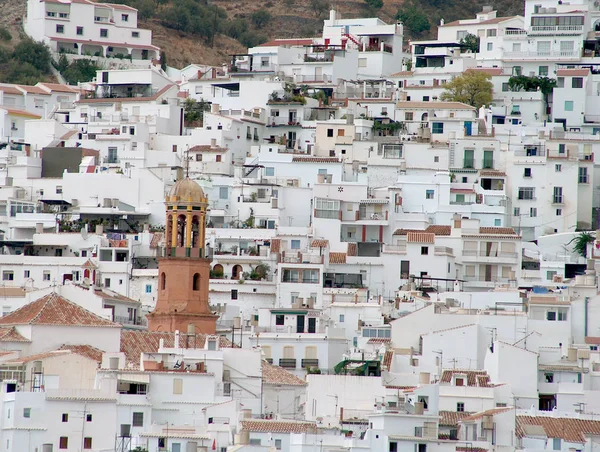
x=56, y=202
x=135, y=378
x=374, y=201
x=229, y=86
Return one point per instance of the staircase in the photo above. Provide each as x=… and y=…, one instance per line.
x=354, y=40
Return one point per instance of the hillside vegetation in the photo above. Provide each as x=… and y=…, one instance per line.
x=209, y=32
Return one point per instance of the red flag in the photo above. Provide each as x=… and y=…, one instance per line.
x=214, y=446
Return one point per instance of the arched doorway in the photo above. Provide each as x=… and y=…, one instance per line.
x=217, y=271
x=236, y=272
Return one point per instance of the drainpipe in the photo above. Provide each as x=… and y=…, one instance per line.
x=585, y=316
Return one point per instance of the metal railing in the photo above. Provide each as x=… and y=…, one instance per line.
x=287, y=363
x=123, y=320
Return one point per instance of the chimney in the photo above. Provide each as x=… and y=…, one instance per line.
x=456, y=219
x=176, y=339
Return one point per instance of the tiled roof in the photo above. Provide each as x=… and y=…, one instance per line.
x=319, y=243
x=287, y=42
x=387, y=359
x=337, y=258
x=420, y=237
x=134, y=343
x=108, y=294
x=474, y=377
x=402, y=74
x=275, y=245
x=267, y=426
x=491, y=173
x=33, y=89
x=488, y=70
x=592, y=340
x=443, y=330
x=207, y=148
x=568, y=429
x=552, y=301
x=53, y=309
x=10, y=334
x=495, y=20
x=462, y=190
x=10, y=89
x=17, y=112
x=573, y=72
x=315, y=160
x=57, y=87
x=496, y=230
x=156, y=239
x=379, y=340
x=470, y=449
x=437, y=229
x=93, y=353
x=451, y=418
x=275, y=375
x=38, y=357
x=437, y=105
x=481, y=414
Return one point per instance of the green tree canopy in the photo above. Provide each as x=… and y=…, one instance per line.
x=261, y=17
x=472, y=88
x=413, y=18
x=374, y=4
x=471, y=42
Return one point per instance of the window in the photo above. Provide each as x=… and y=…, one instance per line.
x=125, y=17
x=278, y=444
x=148, y=288
x=556, y=443
x=557, y=197
x=330, y=133
x=178, y=385
x=88, y=418
x=558, y=212
x=516, y=211
x=429, y=194
x=459, y=381
x=295, y=244
x=436, y=159
x=497, y=223
x=551, y=316
x=408, y=115
x=562, y=148
x=65, y=417
x=87, y=442
x=269, y=171
x=505, y=87
x=393, y=446
x=218, y=158
x=490, y=46
x=135, y=34
x=527, y=172
x=576, y=82
x=583, y=175
x=437, y=127
x=425, y=98
x=106, y=282
x=342, y=317
x=533, y=212
x=63, y=442
x=491, y=33
x=550, y=274
x=424, y=250
x=223, y=193
x=460, y=407
x=527, y=193
x=8, y=275
x=27, y=412
x=60, y=28
x=80, y=31
x=568, y=105
x=162, y=443
x=543, y=71
x=279, y=319
x=138, y=419
x=234, y=294
x=104, y=33
x=176, y=447
x=557, y=168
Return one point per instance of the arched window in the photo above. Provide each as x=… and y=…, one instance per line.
x=236, y=272
x=163, y=281
x=196, y=282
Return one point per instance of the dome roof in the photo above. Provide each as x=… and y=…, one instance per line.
x=187, y=190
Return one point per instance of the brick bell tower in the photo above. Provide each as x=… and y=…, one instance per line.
x=184, y=272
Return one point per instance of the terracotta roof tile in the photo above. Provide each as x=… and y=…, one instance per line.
x=475, y=378
x=207, y=148
x=379, y=340
x=33, y=89
x=315, y=160
x=488, y=70
x=451, y=418
x=10, y=89
x=402, y=74
x=352, y=249
x=10, y=334
x=568, y=429
x=53, y=309
x=574, y=72
x=592, y=340
x=93, y=353
x=57, y=87
x=18, y=112
x=437, y=105
x=319, y=243
x=496, y=230
x=462, y=190
x=337, y=258
x=420, y=237
x=267, y=426
x=387, y=359
x=275, y=375
x=481, y=414
x=134, y=343
x=156, y=239
x=491, y=173
x=436, y=229
x=38, y=357
x=470, y=449
x=288, y=42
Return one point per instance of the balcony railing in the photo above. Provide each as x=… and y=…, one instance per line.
x=556, y=29
x=124, y=320
x=501, y=254
x=328, y=214
x=557, y=200
x=309, y=363
x=287, y=363
x=542, y=55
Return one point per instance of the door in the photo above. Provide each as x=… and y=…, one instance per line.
x=300, y=324
x=488, y=272
x=318, y=74
x=468, y=128
x=291, y=141
x=312, y=325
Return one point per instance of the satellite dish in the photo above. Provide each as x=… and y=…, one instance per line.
x=84, y=233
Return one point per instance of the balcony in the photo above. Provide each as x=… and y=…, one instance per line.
x=287, y=363
x=556, y=199
x=572, y=54
x=328, y=214
x=306, y=363
x=500, y=255
x=366, y=216
x=137, y=321
x=556, y=30
x=443, y=251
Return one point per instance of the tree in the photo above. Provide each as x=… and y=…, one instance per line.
x=319, y=7
x=260, y=18
x=471, y=42
x=194, y=110
x=524, y=83
x=163, y=60
x=472, y=87
x=81, y=70
x=413, y=18
x=374, y=4
x=580, y=243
